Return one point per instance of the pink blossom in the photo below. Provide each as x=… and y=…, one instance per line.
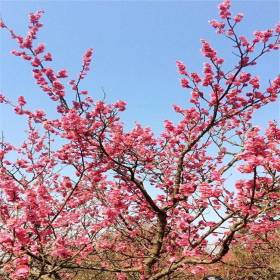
x=184, y=83
x=255, y=82
x=36, y=62
x=181, y=68
x=244, y=41
x=244, y=77
x=198, y=270
x=195, y=77
x=238, y=17
x=120, y=105
x=2, y=98
x=17, y=53
x=86, y=62
x=263, y=36
x=62, y=74
x=219, y=60
x=22, y=271
x=21, y=101
x=207, y=50
x=48, y=57
x=40, y=49
x=2, y=24
x=35, y=17
x=217, y=24
x=57, y=85
x=224, y=9
x=277, y=28
x=121, y=276
x=208, y=72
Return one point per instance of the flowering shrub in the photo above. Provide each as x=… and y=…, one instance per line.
x=99, y=216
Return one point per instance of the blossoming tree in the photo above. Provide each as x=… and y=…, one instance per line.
x=98, y=215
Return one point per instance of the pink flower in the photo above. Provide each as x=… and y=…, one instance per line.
x=120, y=105
x=197, y=270
x=255, y=82
x=88, y=54
x=17, y=53
x=22, y=270
x=2, y=24
x=207, y=50
x=39, y=114
x=61, y=252
x=169, y=125
x=208, y=72
x=184, y=83
x=263, y=36
x=48, y=57
x=5, y=238
x=121, y=276
x=195, y=77
x=224, y=9
x=57, y=85
x=238, y=17
x=2, y=98
x=111, y=214
x=187, y=189
x=62, y=74
x=35, y=17
x=217, y=25
x=277, y=28
x=86, y=62
x=40, y=49
x=21, y=101
x=181, y=68
x=244, y=77
x=27, y=57
x=36, y=62
x=244, y=41
x=219, y=60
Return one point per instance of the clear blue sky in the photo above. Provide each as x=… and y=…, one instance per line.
x=136, y=45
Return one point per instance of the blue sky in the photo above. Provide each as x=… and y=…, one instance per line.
x=136, y=44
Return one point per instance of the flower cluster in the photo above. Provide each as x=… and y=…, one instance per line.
x=78, y=191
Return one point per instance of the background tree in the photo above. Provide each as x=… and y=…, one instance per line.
x=74, y=195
